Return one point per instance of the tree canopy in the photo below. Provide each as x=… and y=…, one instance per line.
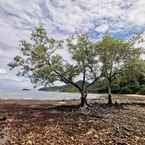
x=89, y=61
x=114, y=55
x=40, y=62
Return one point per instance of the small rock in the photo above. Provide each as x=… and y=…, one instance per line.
x=91, y=131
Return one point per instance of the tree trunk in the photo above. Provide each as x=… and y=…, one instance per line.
x=83, y=100
x=109, y=94
x=109, y=99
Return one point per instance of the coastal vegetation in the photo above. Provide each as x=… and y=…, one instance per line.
x=110, y=65
x=110, y=62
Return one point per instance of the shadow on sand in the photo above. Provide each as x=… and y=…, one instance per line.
x=73, y=108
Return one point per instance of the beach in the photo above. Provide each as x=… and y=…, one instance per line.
x=33, y=122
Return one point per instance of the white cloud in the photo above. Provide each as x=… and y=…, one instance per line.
x=2, y=71
x=70, y=15
x=64, y=17
x=136, y=14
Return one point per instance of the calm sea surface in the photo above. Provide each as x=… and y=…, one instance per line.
x=39, y=95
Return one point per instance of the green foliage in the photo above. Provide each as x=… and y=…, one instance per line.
x=115, y=88
x=112, y=62
x=134, y=70
x=40, y=62
x=141, y=90
x=115, y=57
x=70, y=90
x=126, y=90
x=132, y=88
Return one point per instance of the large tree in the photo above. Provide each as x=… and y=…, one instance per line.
x=114, y=54
x=41, y=62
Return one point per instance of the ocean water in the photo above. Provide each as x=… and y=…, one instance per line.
x=40, y=95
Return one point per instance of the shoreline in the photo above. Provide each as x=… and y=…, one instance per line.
x=114, y=96
x=125, y=99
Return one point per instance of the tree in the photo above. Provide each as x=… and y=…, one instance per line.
x=134, y=71
x=113, y=55
x=40, y=61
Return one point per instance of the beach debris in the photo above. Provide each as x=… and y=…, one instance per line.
x=115, y=126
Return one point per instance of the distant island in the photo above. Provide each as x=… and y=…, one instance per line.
x=63, y=88
x=25, y=89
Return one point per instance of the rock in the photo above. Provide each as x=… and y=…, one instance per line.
x=3, y=118
x=91, y=131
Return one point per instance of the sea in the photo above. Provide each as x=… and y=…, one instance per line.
x=41, y=95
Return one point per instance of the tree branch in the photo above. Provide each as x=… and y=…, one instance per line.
x=68, y=81
x=89, y=85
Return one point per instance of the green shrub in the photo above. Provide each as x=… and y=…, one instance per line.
x=70, y=90
x=125, y=90
x=142, y=90
x=131, y=88
x=115, y=88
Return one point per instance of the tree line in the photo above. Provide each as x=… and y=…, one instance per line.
x=109, y=59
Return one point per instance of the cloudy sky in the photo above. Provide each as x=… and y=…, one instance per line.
x=61, y=18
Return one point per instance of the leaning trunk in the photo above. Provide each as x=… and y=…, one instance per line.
x=109, y=94
x=83, y=100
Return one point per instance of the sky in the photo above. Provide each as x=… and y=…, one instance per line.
x=61, y=18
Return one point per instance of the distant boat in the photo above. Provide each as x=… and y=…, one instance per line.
x=25, y=89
